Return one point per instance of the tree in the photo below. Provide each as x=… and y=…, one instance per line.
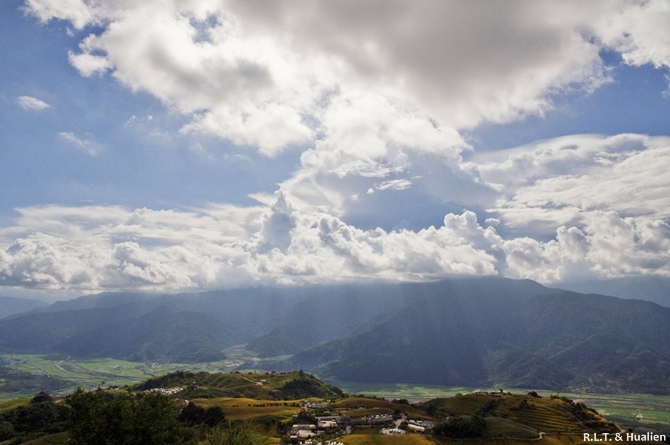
x=461, y=427
x=104, y=418
x=193, y=415
x=31, y=421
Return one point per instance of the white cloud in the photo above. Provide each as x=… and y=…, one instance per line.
x=273, y=77
x=105, y=247
x=88, y=64
x=562, y=181
x=366, y=91
x=88, y=146
x=461, y=62
x=638, y=30
x=369, y=140
x=608, y=246
x=31, y=103
x=376, y=95
x=76, y=12
x=269, y=77
x=114, y=248
x=395, y=184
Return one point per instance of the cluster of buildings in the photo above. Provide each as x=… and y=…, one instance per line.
x=328, y=442
x=378, y=419
x=166, y=391
x=323, y=423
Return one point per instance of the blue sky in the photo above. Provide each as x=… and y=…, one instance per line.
x=205, y=144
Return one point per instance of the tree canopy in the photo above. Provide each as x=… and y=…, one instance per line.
x=105, y=418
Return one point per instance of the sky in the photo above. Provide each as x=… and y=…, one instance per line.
x=184, y=145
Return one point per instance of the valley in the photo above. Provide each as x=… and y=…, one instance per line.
x=91, y=373
x=474, y=332
x=630, y=410
x=413, y=342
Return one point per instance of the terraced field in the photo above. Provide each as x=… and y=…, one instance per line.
x=515, y=415
x=363, y=406
x=252, y=409
x=502, y=427
x=549, y=415
x=462, y=405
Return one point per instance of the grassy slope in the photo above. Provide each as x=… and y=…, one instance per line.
x=290, y=385
x=378, y=439
x=53, y=439
x=252, y=409
x=11, y=404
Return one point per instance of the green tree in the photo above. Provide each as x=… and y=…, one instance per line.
x=305, y=417
x=6, y=430
x=33, y=420
x=193, y=415
x=461, y=427
x=102, y=418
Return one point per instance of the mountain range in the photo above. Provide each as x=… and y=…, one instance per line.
x=11, y=305
x=459, y=332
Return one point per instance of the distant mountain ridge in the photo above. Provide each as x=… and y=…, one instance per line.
x=513, y=334
x=11, y=306
x=165, y=334
x=465, y=332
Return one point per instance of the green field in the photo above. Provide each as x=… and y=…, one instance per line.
x=643, y=412
x=91, y=373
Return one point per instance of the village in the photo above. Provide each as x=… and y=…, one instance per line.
x=327, y=428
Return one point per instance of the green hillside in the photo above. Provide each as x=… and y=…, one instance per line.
x=483, y=333
x=283, y=340
x=268, y=386
x=166, y=334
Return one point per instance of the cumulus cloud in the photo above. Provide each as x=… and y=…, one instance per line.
x=116, y=248
x=637, y=30
x=461, y=61
x=564, y=180
x=362, y=88
x=111, y=249
x=270, y=77
x=376, y=97
x=31, y=103
x=107, y=247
